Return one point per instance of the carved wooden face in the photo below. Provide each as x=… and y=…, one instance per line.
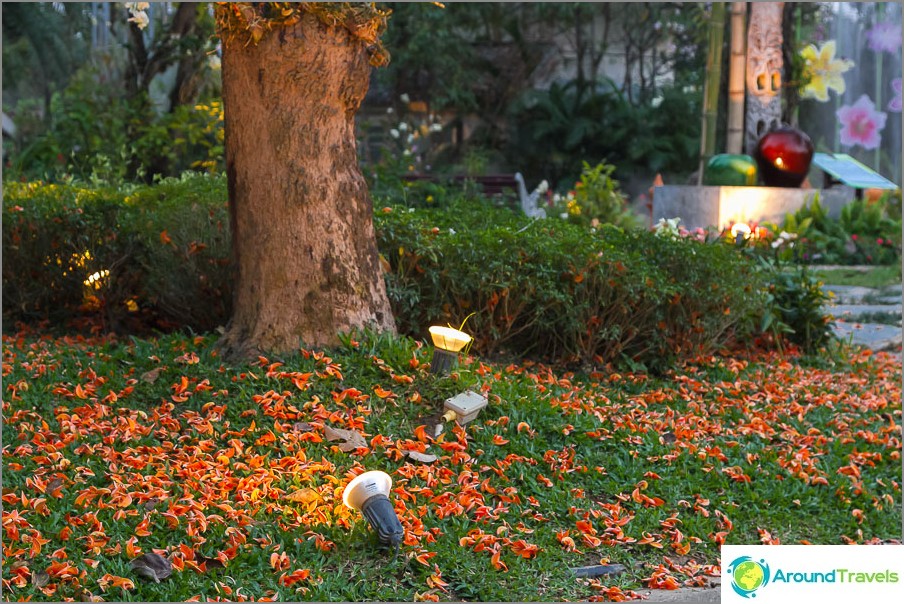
x=764, y=71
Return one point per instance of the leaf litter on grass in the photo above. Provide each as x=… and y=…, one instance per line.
x=231, y=472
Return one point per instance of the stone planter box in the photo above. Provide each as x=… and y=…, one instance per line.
x=721, y=206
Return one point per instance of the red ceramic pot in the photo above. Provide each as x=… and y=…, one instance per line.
x=783, y=157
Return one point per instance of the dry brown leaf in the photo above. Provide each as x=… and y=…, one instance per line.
x=353, y=439
x=302, y=427
x=151, y=376
x=421, y=457
x=210, y=562
x=303, y=496
x=39, y=579
x=152, y=566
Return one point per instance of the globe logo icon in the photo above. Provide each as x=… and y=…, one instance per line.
x=748, y=575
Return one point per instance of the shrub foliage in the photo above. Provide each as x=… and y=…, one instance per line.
x=158, y=254
x=557, y=290
x=546, y=288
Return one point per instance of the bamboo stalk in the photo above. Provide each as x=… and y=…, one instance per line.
x=736, y=77
x=880, y=12
x=711, y=87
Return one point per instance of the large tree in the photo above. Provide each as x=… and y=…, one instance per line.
x=307, y=268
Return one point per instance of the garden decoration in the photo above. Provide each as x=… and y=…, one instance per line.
x=783, y=156
x=764, y=70
x=529, y=202
x=447, y=342
x=730, y=170
x=369, y=494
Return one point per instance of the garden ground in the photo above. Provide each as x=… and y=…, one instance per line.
x=114, y=448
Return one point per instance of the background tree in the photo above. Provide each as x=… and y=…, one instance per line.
x=303, y=239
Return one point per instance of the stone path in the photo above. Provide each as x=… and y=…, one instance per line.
x=851, y=303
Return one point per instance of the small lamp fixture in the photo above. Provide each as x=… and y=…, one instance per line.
x=447, y=343
x=740, y=231
x=369, y=494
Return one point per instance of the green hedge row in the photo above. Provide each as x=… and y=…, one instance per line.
x=557, y=290
x=545, y=288
x=166, y=248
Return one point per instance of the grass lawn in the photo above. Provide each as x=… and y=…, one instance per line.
x=876, y=277
x=114, y=448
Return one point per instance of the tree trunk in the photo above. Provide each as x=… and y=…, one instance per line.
x=306, y=263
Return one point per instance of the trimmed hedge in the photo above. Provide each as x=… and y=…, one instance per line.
x=556, y=290
x=544, y=288
x=166, y=248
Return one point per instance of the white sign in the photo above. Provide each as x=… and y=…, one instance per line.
x=767, y=574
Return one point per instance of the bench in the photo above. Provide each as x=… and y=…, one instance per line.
x=492, y=185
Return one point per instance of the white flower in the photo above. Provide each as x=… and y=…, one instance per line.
x=437, y=127
x=665, y=228
x=390, y=110
x=139, y=18
x=405, y=98
x=564, y=215
x=394, y=133
x=410, y=138
x=543, y=187
x=451, y=231
x=403, y=126
x=406, y=152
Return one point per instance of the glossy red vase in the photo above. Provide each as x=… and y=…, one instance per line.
x=783, y=157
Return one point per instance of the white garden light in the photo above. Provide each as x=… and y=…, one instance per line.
x=369, y=494
x=447, y=343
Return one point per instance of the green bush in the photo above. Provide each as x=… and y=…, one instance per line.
x=866, y=232
x=556, y=290
x=796, y=302
x=158, y=255
x=95, y=133
x=545, y=288
x=596, y=199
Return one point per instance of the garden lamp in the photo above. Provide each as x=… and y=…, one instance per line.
x=369, y=494
x=740, y=231
x=447, y=343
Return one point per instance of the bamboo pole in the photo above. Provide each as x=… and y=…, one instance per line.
x=711, y=87
x=880, y=12
x=737, y=68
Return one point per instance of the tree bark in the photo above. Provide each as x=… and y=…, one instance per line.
x=304, y=251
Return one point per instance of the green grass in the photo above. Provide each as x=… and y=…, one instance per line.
x=878, y=276
x=199, y=460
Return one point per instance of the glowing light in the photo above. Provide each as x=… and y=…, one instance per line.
x=96, y=280
x=779, y=162
x=448, y=338
x=740, y=229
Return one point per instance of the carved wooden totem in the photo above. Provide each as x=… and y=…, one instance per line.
x=764, y=70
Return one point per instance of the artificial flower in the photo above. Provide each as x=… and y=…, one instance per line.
x=861, y=124
x=895, y=103
x=822, y=71
x=884, y=37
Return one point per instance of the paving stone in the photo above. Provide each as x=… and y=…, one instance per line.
x=851, y=311
x=874, y=336
x=849, y=294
